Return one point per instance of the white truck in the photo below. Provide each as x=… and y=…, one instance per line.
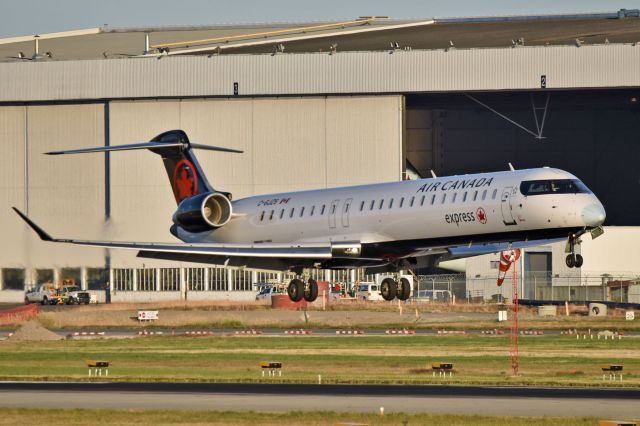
x=75, y=294
x=266, y=291
x=45, y=294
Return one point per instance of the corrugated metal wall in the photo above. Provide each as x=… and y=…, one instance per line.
x=520, y=68
x=289, y=144
x=65, y=195
x=12, y=185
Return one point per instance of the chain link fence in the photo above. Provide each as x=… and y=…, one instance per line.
x=622, y=288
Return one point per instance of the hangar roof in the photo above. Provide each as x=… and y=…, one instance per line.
x=309, y=74
x=362, y=34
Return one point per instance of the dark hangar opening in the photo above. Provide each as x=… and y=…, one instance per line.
x=594, y=134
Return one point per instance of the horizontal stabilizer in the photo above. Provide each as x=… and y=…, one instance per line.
x=144, y=145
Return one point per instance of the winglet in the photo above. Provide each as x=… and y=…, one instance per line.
x=41, y=232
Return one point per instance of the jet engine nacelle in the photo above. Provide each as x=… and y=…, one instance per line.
x=203, y=212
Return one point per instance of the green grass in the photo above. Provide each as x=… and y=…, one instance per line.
x=340, y=315
x=21, y=417
x=544, y=360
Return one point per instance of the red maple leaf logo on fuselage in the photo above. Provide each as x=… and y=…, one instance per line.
x=482, y=216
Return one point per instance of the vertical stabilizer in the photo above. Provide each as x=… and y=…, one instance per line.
x=185, y=174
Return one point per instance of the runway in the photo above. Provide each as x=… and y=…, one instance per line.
x=623, y=403
x=222, y=332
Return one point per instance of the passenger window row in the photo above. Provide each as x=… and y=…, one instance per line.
x=292, y=212
x=402, y=202
x=431, y=200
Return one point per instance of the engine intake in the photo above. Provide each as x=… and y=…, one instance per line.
x=203, y=212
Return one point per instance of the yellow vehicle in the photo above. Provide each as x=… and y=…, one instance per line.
x=45, y=294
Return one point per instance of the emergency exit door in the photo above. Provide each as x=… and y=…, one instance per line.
x=332, y=213
x=505, y=205
x=346, y=207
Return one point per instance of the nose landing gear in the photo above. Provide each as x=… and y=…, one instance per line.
x=573, y=260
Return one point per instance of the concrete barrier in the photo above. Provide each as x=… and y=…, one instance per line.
x=597, y=310
x=282, y=301
x=247, y=332
x=85, y=333
x=547, y=311
x=349, y=332
x=297, y=332
x=404, y=331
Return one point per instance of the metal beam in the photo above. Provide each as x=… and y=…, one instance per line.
x=537, y=135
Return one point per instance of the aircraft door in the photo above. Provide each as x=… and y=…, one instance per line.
x=505, y=205
x=332, y=213
x=345, y=212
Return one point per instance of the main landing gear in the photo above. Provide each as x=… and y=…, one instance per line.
x=299, y=289
x=390, y=289
x=573, y=260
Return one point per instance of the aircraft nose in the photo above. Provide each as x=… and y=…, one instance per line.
x=593, y=215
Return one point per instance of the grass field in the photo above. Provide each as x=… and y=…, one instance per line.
x=338, y=315
x=21, y=417
x=544, y=360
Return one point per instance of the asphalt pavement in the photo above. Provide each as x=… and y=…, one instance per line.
x=515, y=401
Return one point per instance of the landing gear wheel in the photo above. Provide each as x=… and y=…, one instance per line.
x=579, y=261
x=388, y=289
x=295, y=290
x=311, y=290
x=570, y=261
x=573, y=260
x=403, y=291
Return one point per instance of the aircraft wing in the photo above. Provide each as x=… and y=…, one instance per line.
x=475, y=250
x=200, y=250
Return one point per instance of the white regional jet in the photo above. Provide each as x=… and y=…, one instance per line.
x=382, y=227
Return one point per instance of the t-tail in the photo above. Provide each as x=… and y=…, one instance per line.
x=185, y=174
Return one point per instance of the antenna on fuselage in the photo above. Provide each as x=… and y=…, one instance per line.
x=511, y=167
x=433, y=174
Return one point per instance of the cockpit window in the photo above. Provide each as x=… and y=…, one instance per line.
x=557, y=186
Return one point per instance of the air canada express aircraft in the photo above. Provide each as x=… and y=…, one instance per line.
x=381, y=227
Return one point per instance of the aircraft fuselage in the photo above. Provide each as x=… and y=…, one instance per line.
x=489, y=206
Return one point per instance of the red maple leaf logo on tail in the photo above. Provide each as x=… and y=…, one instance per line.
x=185, y=180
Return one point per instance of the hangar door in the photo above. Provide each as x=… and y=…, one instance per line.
x=591, y=134
x=289, y=144
x=64, y=194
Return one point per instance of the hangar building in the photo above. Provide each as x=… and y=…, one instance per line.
x=313, y=105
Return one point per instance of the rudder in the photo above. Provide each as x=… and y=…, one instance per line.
x=183, y=170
